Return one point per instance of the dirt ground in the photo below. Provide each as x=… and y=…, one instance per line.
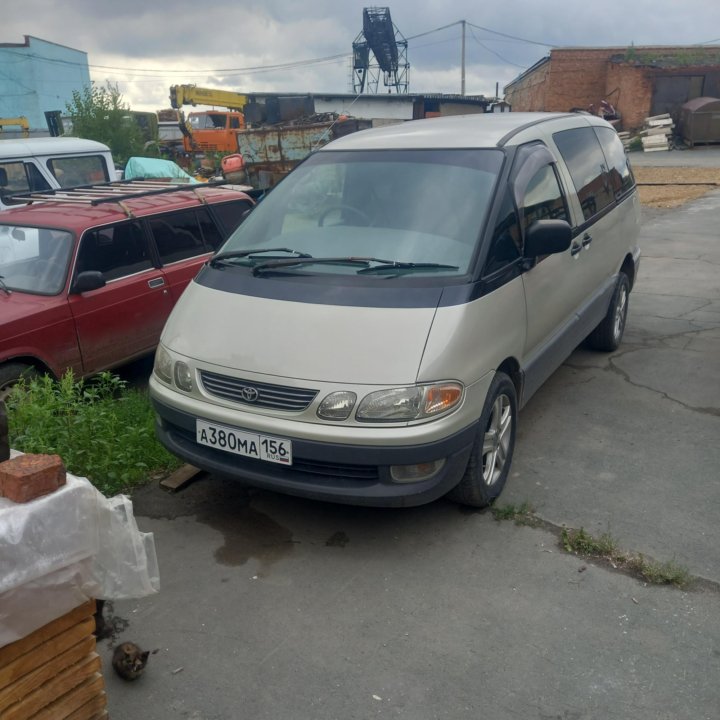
x=668, y=187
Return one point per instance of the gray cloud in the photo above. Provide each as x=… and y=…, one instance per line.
x=145, y=47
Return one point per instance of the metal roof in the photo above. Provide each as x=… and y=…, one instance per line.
x=25, y=147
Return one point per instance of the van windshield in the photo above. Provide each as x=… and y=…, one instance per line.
x=419, y=207
x=34, y=260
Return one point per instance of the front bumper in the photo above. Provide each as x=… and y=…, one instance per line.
x=351, y=474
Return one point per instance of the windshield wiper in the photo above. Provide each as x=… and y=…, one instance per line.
x=238, y=254
x=293, y=262
x=4, y=287
x=393, y=266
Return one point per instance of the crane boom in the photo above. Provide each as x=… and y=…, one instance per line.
x=193, y=95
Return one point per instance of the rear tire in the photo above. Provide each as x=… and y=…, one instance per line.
x=489, y=464
x=608, y=335
x=10, y=373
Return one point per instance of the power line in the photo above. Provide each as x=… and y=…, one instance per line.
x=512, y=37
x=505, y=60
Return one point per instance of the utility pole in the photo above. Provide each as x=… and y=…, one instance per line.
x=462, y=71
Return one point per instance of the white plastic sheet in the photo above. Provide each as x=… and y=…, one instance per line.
x=61, y=549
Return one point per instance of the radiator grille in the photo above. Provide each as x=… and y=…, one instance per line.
x=255, y=394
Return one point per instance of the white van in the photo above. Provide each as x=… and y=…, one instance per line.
x=368, y=333
x=38, y=164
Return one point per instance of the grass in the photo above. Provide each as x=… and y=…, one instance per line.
x=521, y=514
x=603, y=549
x=102, y=429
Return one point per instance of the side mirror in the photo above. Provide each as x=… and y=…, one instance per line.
x=88, y=280
x=547, y=237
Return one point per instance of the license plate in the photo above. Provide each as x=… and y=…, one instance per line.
x=260, y=447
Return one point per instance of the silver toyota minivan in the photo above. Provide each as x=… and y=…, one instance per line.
x=368, y=334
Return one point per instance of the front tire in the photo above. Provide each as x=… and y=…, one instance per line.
x=489, y=464
x=10, y=374
x=608, y=335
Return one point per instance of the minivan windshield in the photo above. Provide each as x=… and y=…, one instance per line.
x=403, y=212
x=34, y=260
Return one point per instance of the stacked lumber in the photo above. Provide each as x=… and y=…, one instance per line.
x=54, y=673
x=657, y=133
x=626, y=138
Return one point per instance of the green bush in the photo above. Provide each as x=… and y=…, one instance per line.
x=100, y=428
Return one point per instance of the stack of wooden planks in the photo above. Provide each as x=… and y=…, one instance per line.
x=54, y=673
x=657, y=133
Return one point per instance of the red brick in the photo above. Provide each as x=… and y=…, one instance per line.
x=27, y=477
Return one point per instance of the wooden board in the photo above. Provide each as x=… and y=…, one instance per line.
x=181, y=477
x=54, y=673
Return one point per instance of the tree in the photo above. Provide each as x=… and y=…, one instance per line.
x=99, y=113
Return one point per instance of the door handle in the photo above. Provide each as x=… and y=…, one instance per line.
x=587, y=239
x=575, y=249
x=156, y=282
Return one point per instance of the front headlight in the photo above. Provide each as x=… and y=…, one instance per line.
x=409, y=403
x=163, y=365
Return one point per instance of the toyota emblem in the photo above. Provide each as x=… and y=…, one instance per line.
x=249, y=394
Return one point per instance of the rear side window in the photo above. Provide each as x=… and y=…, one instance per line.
x=20, y=177
x=230, y=214
x=585, y=160
x=116, y=251
x=178, y=236
x=73, y=171
x=621, y=177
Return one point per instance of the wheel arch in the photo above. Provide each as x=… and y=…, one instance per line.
x=30, y=360
x=628, y=267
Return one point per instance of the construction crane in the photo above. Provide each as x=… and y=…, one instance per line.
x=388, y=46
x=193, y=95
x=212, y=130
x=21, y=122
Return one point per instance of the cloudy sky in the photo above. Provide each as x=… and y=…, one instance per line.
x=145, y=46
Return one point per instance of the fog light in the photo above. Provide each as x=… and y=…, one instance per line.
x=415, y=473
x=183, y=376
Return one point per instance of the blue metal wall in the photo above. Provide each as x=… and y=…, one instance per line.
x=37, y=76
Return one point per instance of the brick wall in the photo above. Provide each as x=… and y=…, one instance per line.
x=579, y=77
x=529, y=92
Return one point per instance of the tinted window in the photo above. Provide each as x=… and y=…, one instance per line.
x=585, y=160
x=178, y=236
x=72, y=171
x=20, y=177
x=543, y=198
x=116, y=251
x=621, y=177
x=230, y=214
x=212, y=235
x=506, y=244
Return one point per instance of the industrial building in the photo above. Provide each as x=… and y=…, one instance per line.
x=638, y=81
x=39, y=77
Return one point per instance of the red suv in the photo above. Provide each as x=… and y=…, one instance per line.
x=88, y=277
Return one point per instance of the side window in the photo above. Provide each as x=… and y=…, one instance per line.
x=230, y=215
x=178, y=236
x=543, y=199
x=585, y=160
x=621, y=177
x=116, y=251
x=72, y=171
x=506, y=243
x=20, y=177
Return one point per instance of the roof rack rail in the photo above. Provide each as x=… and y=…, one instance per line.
x=114, y=191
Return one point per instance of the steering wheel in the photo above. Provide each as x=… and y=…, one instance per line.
x=342, y=207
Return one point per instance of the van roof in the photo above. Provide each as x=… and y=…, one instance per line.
x=479, y=130
x=24, y=147
x=78, y=217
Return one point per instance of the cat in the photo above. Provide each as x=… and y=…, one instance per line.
x=129, y=660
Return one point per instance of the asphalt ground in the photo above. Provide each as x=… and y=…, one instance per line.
x=277, y=607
